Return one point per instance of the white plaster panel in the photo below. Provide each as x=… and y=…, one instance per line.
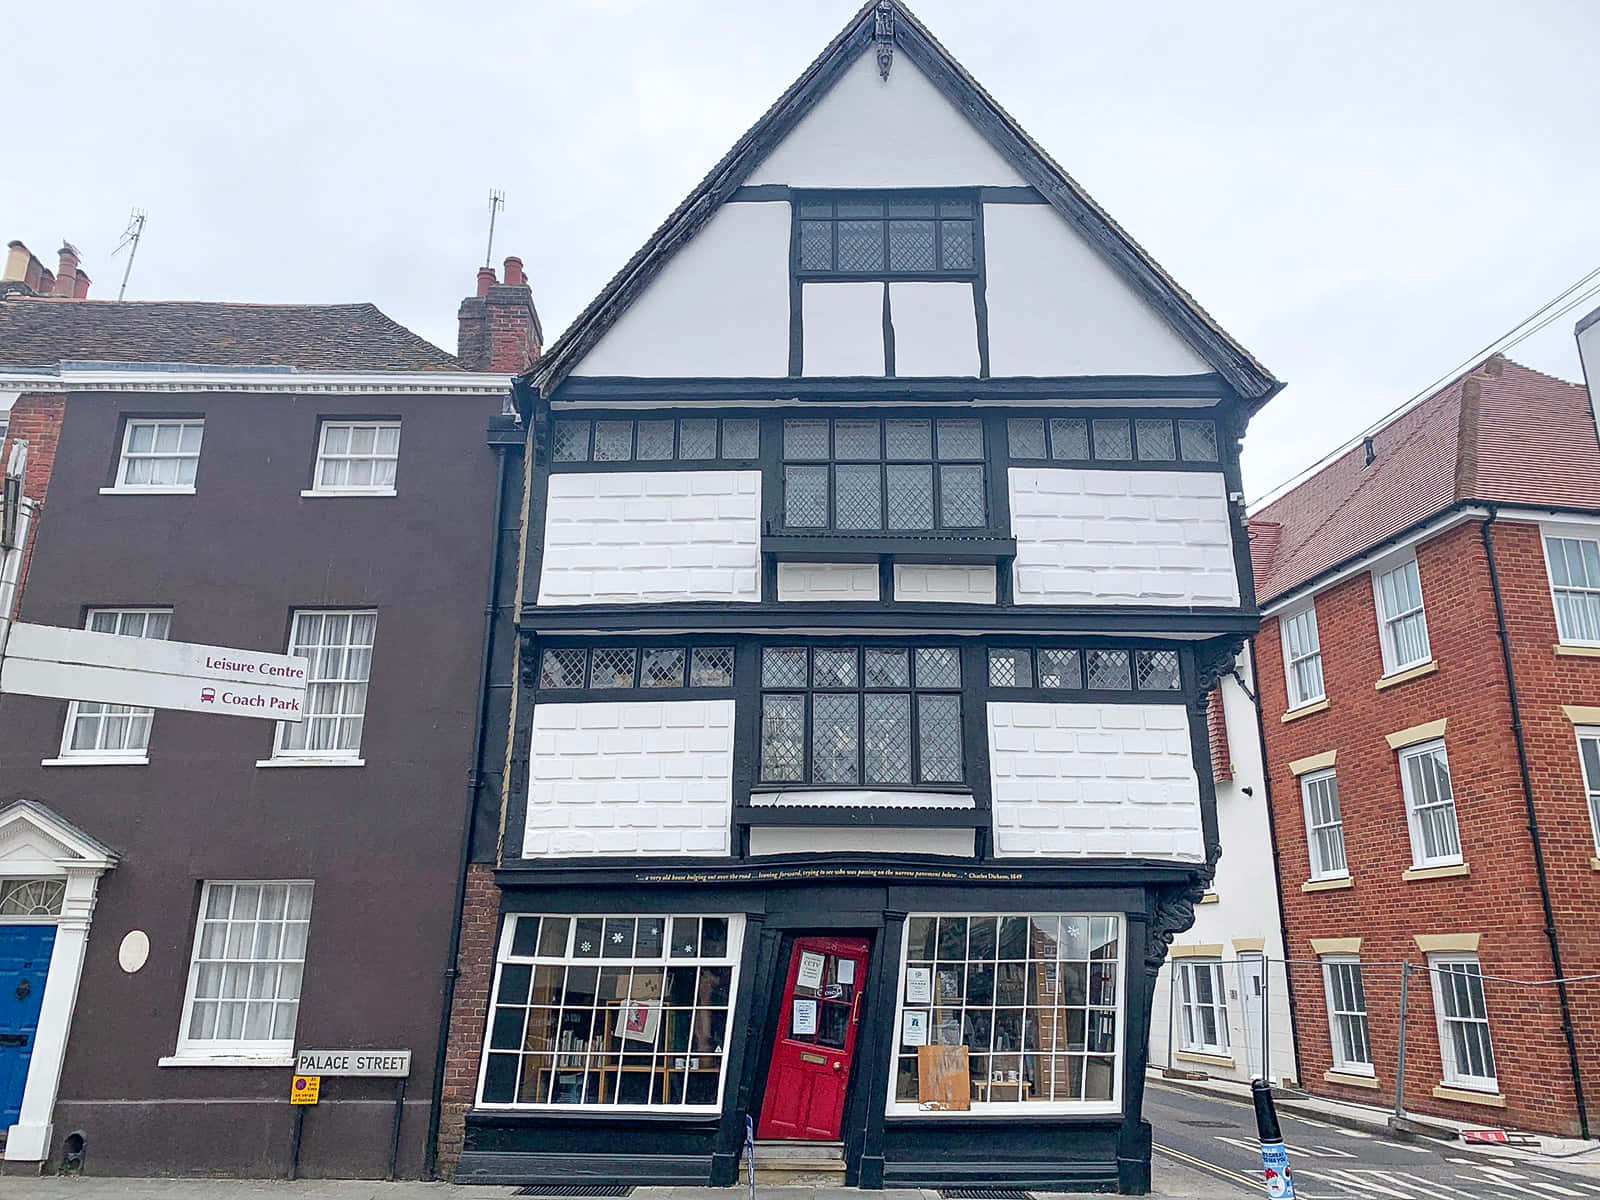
x=633, y=537
x=939, y=583
x=823, y=839
x=634, y=778
x=827, y=581
x=935, y=329
x=720, y=307
x=842, y=329
x=1057, y=308
x=868, y=132
x=1093, y=780
x=1121, y=537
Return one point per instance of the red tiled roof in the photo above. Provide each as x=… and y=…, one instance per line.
x=1502, y=433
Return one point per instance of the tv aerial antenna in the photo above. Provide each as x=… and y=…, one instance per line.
x=130, y=242
x=497, y=201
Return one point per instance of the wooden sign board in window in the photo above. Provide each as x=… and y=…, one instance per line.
x=944, y=1080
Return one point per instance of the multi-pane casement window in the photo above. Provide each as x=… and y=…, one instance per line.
x=865, y=476
x=865, y=235
x=1112, y=440
x=159, y=455
x=1402, y=625
x=357, y=457
x=1430, y=805
x=339, y=647
x=650, y=442
x=113, y=732
x=616, y=1012
x=1463, y=1015
x=1202, y=1005
x=245, y=970
x=626, y=668
x=1347, y=1015
x=1034, y=998
x=1089, y=669
x=1574, y=565
x=1302, y=656
x=1589, y=759
x=1319, y=791
x=848, y=716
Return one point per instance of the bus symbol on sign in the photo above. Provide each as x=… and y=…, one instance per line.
x=208, y=695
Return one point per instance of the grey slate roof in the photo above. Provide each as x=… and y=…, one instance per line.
x=312, y=337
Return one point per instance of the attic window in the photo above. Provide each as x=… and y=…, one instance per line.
x=880, y=236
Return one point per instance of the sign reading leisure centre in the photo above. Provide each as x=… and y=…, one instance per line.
x=359, y=1064
x=74, y=664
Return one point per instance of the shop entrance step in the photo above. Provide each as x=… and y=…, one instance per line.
x=796, y=1164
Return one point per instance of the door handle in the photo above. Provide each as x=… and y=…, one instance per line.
x=838, y=1066
x=855, y=1008
x=13, y=1039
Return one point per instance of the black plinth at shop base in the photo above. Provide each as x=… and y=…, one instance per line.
x=1107, y=1152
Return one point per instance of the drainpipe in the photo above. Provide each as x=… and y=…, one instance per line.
x=1533, y=823
x=474, y=781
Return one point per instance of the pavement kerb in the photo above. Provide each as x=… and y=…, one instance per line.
x=1347, y=1116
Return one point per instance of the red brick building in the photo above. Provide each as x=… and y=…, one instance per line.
x=1429, y=671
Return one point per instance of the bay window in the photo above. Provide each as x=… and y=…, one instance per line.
x=617, y=1012
x=1035, y=1000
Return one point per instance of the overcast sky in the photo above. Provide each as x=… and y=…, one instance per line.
x=1362, y=193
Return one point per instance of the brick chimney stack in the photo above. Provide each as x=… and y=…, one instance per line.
x=499, y=326
x=25, y=275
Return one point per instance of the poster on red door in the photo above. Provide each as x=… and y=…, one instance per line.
x=810, y=974
x=805, y=1016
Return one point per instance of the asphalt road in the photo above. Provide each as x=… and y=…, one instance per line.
x=1218, y=1137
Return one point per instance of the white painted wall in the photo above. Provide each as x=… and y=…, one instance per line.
x=1081, y=780
x=631, y=778
x=823, y=839
x=1121, y=537
x=1245, y=908
x=827, y=581
x=1588, y=354
x=720, y=307
x=937, y=583
x=634, y=537
x=1057, y=308
x=842, y=327
x=935, y=329
x=873, y=133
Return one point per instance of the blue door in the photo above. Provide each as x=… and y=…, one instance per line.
x=24, y=960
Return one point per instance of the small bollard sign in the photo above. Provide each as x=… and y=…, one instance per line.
x=305, y=1089
x=354, y=1064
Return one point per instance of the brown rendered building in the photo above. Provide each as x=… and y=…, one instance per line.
x=1429, y=670
x=190, y=898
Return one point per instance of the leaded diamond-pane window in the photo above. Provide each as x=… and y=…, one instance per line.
x=1051, y=668
x=1010, y=668
x=1112, y=439
x=697, y=438
x=1060, y=669
x=654, y=440
x=711, y=666
x=874, y=235
x=612, y=667
x=1156, y=441
x=1026, y=437
x=562, y=668
x=899, y=476
x=1107, y=670
x=1069, y=438
x=846, y=716
x=1156, y=670
x=606, y=668
x=740, y=438
x=1198, y=440
x=613, y=441
x=661, y=668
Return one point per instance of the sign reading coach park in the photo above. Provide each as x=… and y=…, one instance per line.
x=359, y=1064
x=75, y=664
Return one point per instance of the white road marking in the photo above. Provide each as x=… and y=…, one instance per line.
x=1430, y=1186
x=1353, y=1180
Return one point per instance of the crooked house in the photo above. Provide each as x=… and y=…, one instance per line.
x=882, y=540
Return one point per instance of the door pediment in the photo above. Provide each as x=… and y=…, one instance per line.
x=36, y=841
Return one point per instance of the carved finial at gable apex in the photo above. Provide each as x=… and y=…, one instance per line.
x=883, y=34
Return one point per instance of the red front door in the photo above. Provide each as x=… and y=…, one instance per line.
x=816, y=1039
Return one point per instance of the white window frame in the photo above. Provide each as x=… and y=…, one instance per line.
x=1550, y=534
x=283, y=753
x=1291, y=660
x=1332, y=963
x=1186, y=972
x=321, y=488
x=1591, y=787
x=127, y=756
x=127, y=456
x=262, y=1052
x=1419, y=855
x=899, y=1108
x=1392, y=663
x=503, y=955
x=1454, y=1076
x=1320, y=869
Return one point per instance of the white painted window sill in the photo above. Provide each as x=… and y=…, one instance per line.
x=1207, y=1057
x=330, y=493
x=86, y=760
x=147, y=491
x=226, y=1060
x=312, y=762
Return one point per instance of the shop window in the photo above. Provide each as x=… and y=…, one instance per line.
x=1463, y=1015
x=848, y=716
x=611, y=1012
x=1347, y=1015
x=1036, y=1001
x=1204, y=1006
x=339, y=647
x=246, y=970
x=114, y=732
x=159, y=456
x=357, y=457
